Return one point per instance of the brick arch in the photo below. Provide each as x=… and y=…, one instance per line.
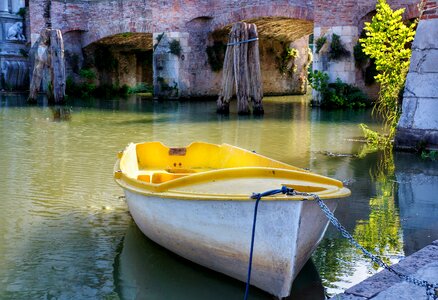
x=411, y=11
x=93, y=36
x=255, y=12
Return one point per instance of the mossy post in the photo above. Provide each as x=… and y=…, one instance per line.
x=242, y=70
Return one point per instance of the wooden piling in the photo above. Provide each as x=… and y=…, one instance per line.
x=48, y=54
x=57, y=63
x=41, y=59
x=256, y=88
x=227, y=89
x=242, y=71
x=241, y=75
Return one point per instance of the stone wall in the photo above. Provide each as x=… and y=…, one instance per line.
x=418, y=125
x=196, y=20
x=346, y=19
x=205, y=82
x=13, y=49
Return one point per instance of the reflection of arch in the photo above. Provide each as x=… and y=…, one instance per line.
x=255, y=12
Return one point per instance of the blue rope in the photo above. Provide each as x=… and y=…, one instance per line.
x=258, y=197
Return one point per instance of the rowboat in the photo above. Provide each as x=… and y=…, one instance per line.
x=195, y=201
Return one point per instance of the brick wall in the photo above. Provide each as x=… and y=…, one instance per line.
x=349, y=12
x=430, y=10
x=98, y=19
x=90, y=21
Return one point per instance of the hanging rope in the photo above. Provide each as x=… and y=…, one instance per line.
x=258, y=197
x=431, y=288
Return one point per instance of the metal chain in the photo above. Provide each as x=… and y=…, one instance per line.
x=431, y=288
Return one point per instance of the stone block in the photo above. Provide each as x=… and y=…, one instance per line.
x=421, y=85
x=347, y=77
x=317, y=32
x=427, y=35
x=337, y=66
x=426, y=114
x=349, y=31
x=409, y=107
x=424, y=61
x=347, y=297
x=411, y=291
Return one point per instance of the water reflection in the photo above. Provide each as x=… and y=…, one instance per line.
x=61, y=219
x=61, y=113
x=417, y=198
x=144, y=270
x=393, y=216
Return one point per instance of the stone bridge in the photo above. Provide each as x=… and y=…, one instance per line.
x=132, y=28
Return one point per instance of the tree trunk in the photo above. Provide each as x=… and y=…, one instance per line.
x=256, y=88
x=57, y=65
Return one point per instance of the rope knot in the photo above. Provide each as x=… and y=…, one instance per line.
x=256, y=196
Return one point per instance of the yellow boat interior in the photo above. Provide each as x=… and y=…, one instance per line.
x=209, y=171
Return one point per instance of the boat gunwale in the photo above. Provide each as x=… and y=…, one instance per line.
x=163, y=190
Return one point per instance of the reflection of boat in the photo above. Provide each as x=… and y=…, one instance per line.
x=195, y=202
x=144, y=270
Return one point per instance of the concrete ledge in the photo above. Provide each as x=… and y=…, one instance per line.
x=416, y=139
x=385, y=285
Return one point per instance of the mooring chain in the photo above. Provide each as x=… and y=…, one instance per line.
x=431, y=288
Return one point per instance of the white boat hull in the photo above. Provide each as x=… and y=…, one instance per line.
x=217, y=235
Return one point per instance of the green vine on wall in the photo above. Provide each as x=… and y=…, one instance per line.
x=392, y=54
x=337, y=49
x=365, y=63
x=22, y=12
x=286, y=61
x=216, y=55
x=175, y=47
x=319, y=43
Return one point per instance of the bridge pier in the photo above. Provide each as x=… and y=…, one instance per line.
x=170, y=55
x=418, y=125
x=342, y=68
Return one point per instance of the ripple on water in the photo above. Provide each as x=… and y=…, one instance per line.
x=62, y=221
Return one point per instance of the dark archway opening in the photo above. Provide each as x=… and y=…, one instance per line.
x=120, y=61
x=284, y=53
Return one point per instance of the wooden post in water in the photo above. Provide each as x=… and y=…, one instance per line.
x=48, y=53
x=241, y=75
x=57, y=64
x=227, y=90
x=242, y=69
x=255, y=73
x=41, y=59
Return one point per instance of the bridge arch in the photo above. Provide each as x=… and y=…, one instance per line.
x=366, y=13
x=262, y=11
x=279, y=30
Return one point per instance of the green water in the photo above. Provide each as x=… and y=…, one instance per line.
x=65, y=232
